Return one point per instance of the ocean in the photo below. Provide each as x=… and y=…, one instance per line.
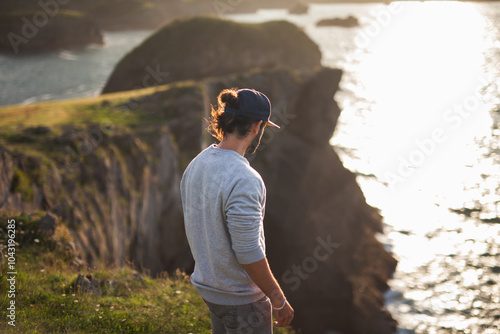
x=64, y=74
x=420, y=126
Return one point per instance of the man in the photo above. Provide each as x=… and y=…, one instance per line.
x=223, y=200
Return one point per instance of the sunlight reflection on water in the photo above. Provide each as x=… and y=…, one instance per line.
x=430, y=71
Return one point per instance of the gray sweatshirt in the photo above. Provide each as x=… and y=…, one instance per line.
x=223, y=200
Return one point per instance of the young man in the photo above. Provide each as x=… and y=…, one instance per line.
x=223, y=200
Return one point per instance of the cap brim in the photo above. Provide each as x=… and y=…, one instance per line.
x=272, y=124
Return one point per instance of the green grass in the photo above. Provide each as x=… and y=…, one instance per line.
x=47, y=300
x=91, y=109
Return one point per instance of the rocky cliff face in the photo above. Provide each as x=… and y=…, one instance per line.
x=117, y=188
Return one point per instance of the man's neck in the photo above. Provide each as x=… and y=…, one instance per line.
x=232, y=142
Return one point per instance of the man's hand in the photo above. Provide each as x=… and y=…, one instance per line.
x=283, y=316
x=261, y=274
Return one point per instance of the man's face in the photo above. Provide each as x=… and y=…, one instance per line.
x=254, y=145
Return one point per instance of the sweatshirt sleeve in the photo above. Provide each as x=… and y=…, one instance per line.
x=244, y=214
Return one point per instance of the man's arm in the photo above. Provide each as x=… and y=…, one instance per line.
x=244, y=214
x=262, y=276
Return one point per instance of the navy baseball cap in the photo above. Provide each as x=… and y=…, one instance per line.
x=253, y=104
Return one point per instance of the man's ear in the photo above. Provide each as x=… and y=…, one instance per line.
x=256, y=127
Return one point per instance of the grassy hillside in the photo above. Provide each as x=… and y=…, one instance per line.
x=70, y=111
x=47, y=300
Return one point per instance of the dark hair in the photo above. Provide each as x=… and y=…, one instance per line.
x=221, y=123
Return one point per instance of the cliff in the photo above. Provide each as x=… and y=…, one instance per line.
x=107, y=169
x=202, y=47
x=46, y=30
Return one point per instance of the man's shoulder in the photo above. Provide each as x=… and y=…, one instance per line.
x=252, y=173
x=199, y=159
x=248, y=177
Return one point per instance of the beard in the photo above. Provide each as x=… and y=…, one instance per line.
x=254, y=145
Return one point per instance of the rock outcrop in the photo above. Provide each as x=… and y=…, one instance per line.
x=41, y=30
x=347, y=22
x=86, y=284
x=201, y=47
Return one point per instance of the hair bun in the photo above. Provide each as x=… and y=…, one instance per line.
x=229, y=97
